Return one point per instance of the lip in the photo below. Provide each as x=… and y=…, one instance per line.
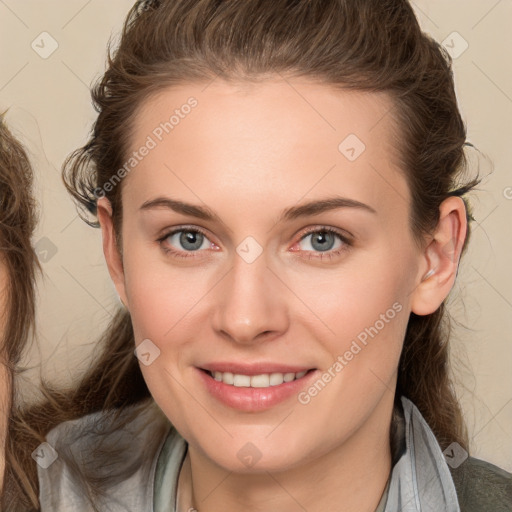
x=254, y=368
x=249, y=399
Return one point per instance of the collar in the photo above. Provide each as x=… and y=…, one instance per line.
x=420, y=478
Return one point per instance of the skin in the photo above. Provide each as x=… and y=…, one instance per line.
x=247, y=153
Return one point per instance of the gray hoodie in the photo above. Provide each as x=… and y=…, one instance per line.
x=136, y=467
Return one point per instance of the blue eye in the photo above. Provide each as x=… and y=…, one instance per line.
x=190, y=239
x=322, y=241
x=185, y=241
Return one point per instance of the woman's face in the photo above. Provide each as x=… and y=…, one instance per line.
x=252, y=284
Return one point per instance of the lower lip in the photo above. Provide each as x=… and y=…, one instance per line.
x=253, y=399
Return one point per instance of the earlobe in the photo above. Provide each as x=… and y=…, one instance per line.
x=441, y=258
x=110, y=249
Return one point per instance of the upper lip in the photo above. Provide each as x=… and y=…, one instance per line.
x=254, y=368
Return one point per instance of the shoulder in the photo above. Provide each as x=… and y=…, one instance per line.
x=481, y=485
x=107, y=456
x=136, y=420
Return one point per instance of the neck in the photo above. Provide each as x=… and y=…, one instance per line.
x=353, y=475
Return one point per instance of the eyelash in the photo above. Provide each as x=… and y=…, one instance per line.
x=347, y=243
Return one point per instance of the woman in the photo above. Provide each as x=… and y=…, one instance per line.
x=18, y=264
x=295, y=355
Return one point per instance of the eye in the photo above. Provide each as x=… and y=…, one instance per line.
x=321, y=243
x=184, y=240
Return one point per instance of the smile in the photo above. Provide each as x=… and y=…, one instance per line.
x=256, y=392
x=263, y=380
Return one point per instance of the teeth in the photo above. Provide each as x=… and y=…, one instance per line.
x=260, y=381
x=241, y=381
x=276, y=379
x=264, y=380
x=227, y=377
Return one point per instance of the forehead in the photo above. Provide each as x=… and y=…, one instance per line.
x=265, y=141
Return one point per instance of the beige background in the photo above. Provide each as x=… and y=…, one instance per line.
x=51, y=112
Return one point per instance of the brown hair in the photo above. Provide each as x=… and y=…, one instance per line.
x=360, y=45
x=17, y=223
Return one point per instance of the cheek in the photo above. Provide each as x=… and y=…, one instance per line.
x=354, y=296
x=364, y=311
x=368, y=320
x=368, y=326
x=161, y=297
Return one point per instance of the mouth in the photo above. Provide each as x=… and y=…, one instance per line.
x=256, y=386
x=261, y=380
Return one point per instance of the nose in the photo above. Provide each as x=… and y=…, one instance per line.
x=250, y=303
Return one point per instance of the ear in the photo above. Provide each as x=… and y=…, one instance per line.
x=441, y=258
x=110, y=249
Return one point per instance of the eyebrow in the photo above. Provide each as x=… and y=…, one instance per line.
x=307, y=209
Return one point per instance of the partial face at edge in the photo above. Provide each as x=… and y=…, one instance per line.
x=4, y=294
x=249, y=154
x=4, y=375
